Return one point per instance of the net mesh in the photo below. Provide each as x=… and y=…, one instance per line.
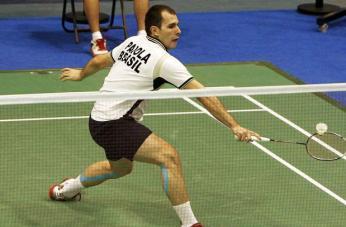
x=45, y=138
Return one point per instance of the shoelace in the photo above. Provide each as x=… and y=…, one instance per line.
x=58, y=194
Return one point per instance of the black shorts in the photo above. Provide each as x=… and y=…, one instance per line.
x=119, y=138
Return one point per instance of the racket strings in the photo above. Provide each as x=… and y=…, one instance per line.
x=328, y=146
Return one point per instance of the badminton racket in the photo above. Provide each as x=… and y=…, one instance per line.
x=328, y=146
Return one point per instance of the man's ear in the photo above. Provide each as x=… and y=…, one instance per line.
x=155, y=31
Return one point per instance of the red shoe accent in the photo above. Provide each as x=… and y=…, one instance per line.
x=197, y=225
x=101, y=43
x=98, y=47
x=50, y=191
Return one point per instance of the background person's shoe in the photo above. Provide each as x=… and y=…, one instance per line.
x=98, y=47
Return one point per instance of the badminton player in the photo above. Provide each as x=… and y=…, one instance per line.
x=140, y=63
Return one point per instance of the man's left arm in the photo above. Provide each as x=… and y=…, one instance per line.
x=95, y=64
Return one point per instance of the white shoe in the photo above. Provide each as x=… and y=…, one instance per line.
x=56, y=192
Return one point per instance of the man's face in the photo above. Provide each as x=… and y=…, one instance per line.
x=169, y=32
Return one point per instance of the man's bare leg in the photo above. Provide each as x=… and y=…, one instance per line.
x=157, y=151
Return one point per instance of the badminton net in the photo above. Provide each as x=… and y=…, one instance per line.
x=45, y=137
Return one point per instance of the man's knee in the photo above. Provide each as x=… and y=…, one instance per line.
x=121, y=167
x=126, y=170
x=170, y=157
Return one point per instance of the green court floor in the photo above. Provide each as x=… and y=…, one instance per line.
x=230, y=183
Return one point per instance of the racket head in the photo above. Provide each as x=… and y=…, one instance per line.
x=328, y=146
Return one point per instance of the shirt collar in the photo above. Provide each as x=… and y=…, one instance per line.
x=154, y=40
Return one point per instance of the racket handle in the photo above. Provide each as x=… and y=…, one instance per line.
x=263, y=139
x=254, y=138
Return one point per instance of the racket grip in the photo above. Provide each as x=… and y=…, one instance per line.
x=254, y=138
x=263, y=139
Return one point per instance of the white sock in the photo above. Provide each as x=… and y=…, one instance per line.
x=78, y=182
x=73, y=184
x=142, y=33
x=185, y=214
x=96, y=35
x=71, y=187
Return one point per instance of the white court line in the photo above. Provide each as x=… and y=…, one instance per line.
x=301, y=173
x=148, y=114
x=271, y=154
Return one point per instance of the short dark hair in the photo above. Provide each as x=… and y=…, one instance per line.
x=154, y=16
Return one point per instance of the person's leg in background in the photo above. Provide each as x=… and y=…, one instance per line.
x=92, y=12
x=140, y=8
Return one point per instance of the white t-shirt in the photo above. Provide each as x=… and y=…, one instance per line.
x=140, y=64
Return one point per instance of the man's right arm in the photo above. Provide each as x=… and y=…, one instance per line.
x=95, y=64
x=217, y=109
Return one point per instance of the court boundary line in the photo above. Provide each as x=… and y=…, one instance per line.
x=147, y=114
x=274, y=156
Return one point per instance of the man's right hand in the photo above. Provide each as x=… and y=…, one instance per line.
x=244, y=134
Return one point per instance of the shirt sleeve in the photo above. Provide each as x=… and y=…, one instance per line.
x=116, y=52
x=174, y=72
